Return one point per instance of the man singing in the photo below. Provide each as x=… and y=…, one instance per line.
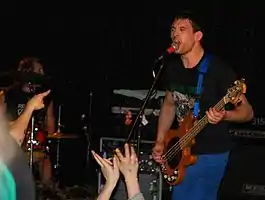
x=212, y=145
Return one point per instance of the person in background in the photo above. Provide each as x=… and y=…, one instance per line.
x=16, y=180
x=128, y=165
x=44, y=120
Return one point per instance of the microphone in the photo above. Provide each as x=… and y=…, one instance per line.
x=169, y=51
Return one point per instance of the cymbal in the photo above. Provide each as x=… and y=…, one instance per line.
x=61, y=136
x=8, y=78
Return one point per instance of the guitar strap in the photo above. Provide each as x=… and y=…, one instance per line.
x=202, y=69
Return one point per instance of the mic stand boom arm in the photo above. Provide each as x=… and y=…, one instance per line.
x=141, y=111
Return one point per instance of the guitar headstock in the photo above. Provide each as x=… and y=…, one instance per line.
x=234, y=92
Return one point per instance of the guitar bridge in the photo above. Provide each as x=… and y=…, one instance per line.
x=170, y=178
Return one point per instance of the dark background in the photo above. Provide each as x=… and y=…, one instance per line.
x=112, y=45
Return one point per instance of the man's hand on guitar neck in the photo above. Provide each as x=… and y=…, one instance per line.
x=158, y=151
x=214, y=116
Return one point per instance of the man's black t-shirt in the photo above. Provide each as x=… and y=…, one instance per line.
x=182, y=82
x=16, y=101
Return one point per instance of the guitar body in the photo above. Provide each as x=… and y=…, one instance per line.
x=174, y=163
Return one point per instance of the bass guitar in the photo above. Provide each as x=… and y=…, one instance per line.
x=177, y=153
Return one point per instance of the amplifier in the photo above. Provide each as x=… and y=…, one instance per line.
x=247, y=133
x=244, y=177
x=150, y=178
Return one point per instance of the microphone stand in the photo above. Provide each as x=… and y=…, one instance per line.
x=88, y=131
x=57, y=165
x=143, y=107
x=59, y=125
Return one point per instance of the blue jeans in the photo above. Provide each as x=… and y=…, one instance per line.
x=202, y=179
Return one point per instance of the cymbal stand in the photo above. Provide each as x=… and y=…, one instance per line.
x=88, y=131
x=31, y=88
x=59, y=125
x=31, y=142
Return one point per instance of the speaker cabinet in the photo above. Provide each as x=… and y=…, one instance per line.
x=245, y=174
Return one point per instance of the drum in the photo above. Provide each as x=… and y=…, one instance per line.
x=39, y=145
x=39, y=141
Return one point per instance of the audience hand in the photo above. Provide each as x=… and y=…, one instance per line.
x=109, y=169
x=128, y=164
x=36, y=102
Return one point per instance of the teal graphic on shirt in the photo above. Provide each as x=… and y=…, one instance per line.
x=7, y=184
x=184, y=97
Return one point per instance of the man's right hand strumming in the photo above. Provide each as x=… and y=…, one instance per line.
x=158, y=151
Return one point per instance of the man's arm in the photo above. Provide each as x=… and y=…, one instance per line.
x=166, y=117
x=241, y=113
x=19, y=126
x=50, y=119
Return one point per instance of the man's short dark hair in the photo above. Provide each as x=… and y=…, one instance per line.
x=195, y=21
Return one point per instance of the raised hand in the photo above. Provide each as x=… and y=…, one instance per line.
x=128, y=163
x=109, y=169
x=36, y=102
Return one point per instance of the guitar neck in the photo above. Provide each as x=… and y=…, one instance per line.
x=196, y=129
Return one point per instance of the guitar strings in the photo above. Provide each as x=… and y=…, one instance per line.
x=178, y=146
x=182, y=142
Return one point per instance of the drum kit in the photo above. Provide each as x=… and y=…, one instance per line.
x=36, y=140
